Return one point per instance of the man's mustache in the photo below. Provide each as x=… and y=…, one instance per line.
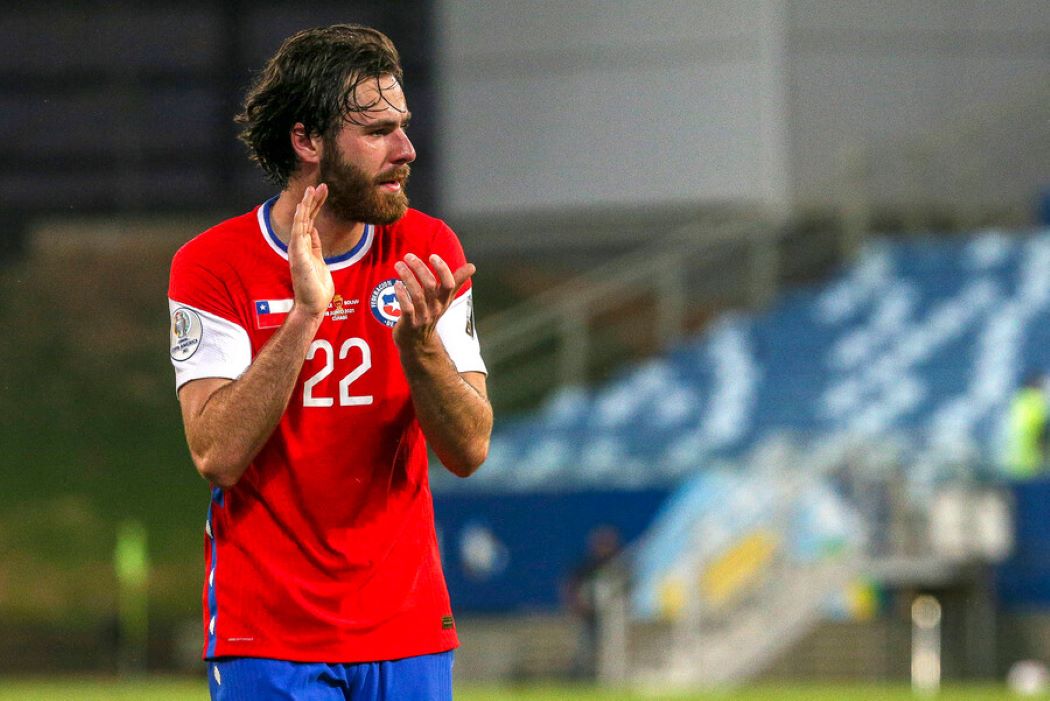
x=400, y=174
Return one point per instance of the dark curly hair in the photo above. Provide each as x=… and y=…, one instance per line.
x=312, y=79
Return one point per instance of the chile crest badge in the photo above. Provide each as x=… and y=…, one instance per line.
x=385, y=307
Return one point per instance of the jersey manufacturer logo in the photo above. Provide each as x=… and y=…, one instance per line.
x=385, y=307
x=186, y=333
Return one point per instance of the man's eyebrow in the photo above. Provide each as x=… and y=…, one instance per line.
x=389, y=123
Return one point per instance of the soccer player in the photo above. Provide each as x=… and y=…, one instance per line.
x=320, y=343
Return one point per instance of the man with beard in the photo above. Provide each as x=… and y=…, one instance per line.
x=320, y=343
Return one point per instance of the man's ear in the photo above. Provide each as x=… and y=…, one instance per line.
x=308, y=147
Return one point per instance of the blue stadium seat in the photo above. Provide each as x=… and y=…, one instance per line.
x=927, y=337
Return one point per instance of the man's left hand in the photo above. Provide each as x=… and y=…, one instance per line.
x=424, y=295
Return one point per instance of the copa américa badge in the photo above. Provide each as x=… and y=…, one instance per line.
x=186, y=333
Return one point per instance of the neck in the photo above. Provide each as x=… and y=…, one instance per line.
x=337, y=236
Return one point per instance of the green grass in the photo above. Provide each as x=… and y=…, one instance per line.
x=795, y=692
x=167, y=689
x=151, y=689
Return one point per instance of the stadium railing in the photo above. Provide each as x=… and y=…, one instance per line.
x=645, y=300
x=747, y=558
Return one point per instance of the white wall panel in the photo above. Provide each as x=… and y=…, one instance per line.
x=552, y=104
x=882, y=73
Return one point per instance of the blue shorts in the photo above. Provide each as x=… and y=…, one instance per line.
x=423, y=678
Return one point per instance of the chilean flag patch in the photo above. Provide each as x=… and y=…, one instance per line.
x=271, y=313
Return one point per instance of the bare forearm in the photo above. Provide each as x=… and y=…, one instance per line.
x=455, y=417
x=230, y=428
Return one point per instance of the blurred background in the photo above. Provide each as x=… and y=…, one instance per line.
x=764, y=290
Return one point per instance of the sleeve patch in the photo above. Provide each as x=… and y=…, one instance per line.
x=187, y=331
x=470, y=317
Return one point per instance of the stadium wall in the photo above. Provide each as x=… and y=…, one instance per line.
x=760, y=102
x=876, y=72
x=553, y=104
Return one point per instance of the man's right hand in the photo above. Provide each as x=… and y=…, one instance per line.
x=311, y=280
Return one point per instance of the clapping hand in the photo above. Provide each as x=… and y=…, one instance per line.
x=424, y=295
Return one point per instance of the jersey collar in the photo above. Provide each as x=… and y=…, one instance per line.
x=335, y=263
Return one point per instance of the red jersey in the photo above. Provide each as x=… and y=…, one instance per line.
x=325, y=550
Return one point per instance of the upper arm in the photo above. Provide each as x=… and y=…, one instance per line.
x=206, y=345
x=209, y=334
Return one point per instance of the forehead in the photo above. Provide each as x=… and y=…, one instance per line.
x=385, y=97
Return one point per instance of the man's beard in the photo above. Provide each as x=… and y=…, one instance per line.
x=353, y=196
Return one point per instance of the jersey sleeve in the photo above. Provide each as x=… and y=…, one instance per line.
x=207, y=337
x=456, y=327
x=457, y=331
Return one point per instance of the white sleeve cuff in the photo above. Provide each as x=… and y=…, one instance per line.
x=206, y=345
x=457, y=331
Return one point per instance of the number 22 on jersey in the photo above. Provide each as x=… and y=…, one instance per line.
x=362, y=366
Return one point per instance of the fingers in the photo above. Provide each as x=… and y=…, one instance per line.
x=452, y=281
x=431, y=291
x=464, y=273
x=300, y=215
x=425, y=294
x=422, y=273
x=441, y=278
x=439, y=282
x=413, y=290
x=300, y=224
x=449, y=280
x=444, y=275
x=311, y=279
x=296, y=239
x=320, y=194
x=421, y=285
x=408, y=310
x=308, y=208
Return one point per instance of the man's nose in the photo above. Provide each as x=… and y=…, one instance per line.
x=404, y=151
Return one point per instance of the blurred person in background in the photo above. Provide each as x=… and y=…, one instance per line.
x=1027, y=429
x=581, y=594
x=320, y=343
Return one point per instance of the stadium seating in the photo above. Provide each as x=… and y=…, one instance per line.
x=921, y=340
x=914, y=349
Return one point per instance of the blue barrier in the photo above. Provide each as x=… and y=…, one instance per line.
x=1023, y=581
x=513, y=552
